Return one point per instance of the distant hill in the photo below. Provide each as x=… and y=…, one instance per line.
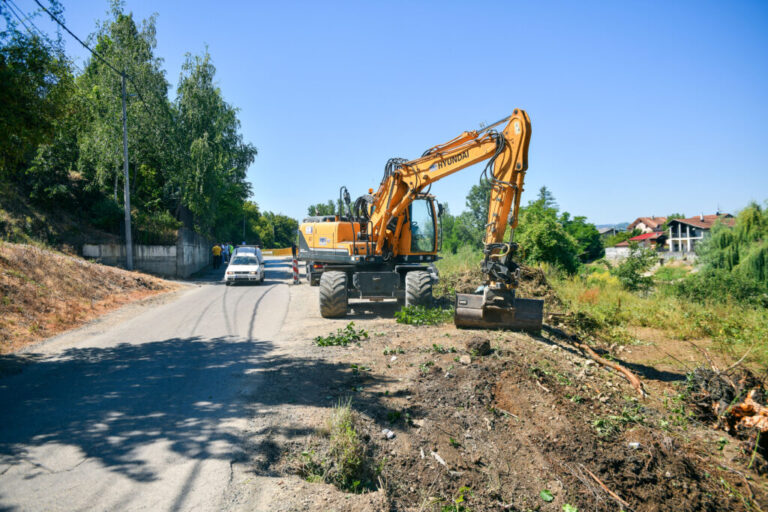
x=622, y=226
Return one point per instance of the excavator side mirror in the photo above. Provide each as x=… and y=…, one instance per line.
x=440, y=210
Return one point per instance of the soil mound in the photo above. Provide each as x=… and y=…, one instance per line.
x=43, y=292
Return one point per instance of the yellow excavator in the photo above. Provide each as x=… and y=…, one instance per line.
x=386, y=243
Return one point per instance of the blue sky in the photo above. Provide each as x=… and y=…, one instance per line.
x=637, y=108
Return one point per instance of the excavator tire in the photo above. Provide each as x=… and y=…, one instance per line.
x=333, y=294
x=418, y=288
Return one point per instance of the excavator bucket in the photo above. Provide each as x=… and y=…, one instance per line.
x=523, y=315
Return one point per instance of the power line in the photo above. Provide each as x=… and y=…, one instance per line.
x=62, y=25
x=13, y=5
x=104, y=60
x=10, y=8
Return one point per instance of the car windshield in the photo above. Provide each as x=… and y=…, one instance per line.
x=245, y=260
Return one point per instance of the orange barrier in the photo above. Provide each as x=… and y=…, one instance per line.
x=276, y=252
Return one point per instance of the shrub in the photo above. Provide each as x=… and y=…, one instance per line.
x=630, y=271
x=720, y=285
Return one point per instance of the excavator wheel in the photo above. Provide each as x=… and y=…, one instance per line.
x=418, y=288
x=333, y=294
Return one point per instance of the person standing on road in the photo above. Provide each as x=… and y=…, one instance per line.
x=216, y=250
x=230, y=249
x=225, y=252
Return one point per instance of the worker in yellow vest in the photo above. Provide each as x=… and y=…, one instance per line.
x=216, y=250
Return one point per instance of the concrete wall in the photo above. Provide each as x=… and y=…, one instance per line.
x=190, y=254
x=616, y=254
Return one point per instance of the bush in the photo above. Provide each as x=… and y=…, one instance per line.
x=107, y=215
x=630, y=271
x=720, y=285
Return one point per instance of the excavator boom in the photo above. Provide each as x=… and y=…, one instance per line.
x=385, y=245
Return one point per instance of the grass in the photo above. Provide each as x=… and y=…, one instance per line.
x=601, y=307
x=345, y=464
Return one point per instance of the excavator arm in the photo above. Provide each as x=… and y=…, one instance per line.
x=507, y=155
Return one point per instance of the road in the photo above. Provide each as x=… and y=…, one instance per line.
x=148, y=409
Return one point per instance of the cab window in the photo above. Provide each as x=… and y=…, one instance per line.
x=422, y=226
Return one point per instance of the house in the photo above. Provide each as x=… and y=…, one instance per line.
x=684, y=234
x=648, y=224
x=606, y=232
x=654, y=240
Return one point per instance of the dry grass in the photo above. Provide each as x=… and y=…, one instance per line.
x=44, y=292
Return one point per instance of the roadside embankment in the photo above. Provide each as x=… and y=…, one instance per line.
x=44, y=292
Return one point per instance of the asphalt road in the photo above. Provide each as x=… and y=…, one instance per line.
x=143, y=412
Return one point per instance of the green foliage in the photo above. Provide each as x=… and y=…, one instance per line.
x=36, y=83
x=621, y=236
x=543, y=239
x=342, y=336
x=720, y=285
x=346, y=464
x=420, y=315
x=630, y=271
x=670, y=218
x=741, y=249
x=61, y=137
x=668, y=273
x=329, y=208
x=569, y=508
x=546, y=495
x=588, y=240
x=478, y=198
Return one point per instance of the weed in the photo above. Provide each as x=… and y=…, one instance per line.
x=388, y=351
x=577, y=399
x=420, y=315
x=457, y=502
x=454, y=442
x=439, y=349
x=394, y=416
x=610, y=425
x=342, y=337
x=346, y=452
x=357, y=368
x=424, y=367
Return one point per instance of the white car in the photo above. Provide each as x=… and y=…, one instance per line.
x=244, y=268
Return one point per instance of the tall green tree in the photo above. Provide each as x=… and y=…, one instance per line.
x=211, y=182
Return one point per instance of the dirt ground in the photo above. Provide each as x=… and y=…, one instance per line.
x=43, y=293
x=532, y=419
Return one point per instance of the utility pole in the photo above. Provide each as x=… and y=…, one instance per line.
x=126, y=188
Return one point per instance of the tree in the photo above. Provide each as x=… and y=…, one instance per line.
x=546, y=199
x=478, y=198
x=621, y=236
x=630, y=271
x=328, y=208
x=36, y=85
x=741, y=249
x=459, y=231
x=588, y=240
x=670, y=218
x=543, y=239
x=212, y=184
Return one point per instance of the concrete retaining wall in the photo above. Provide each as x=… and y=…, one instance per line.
x=616, y=254
x=190, y=254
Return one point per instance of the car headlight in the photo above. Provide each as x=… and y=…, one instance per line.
x=230, y=273
x=253, y=273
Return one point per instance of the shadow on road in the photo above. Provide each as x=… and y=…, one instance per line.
x=113, y=403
